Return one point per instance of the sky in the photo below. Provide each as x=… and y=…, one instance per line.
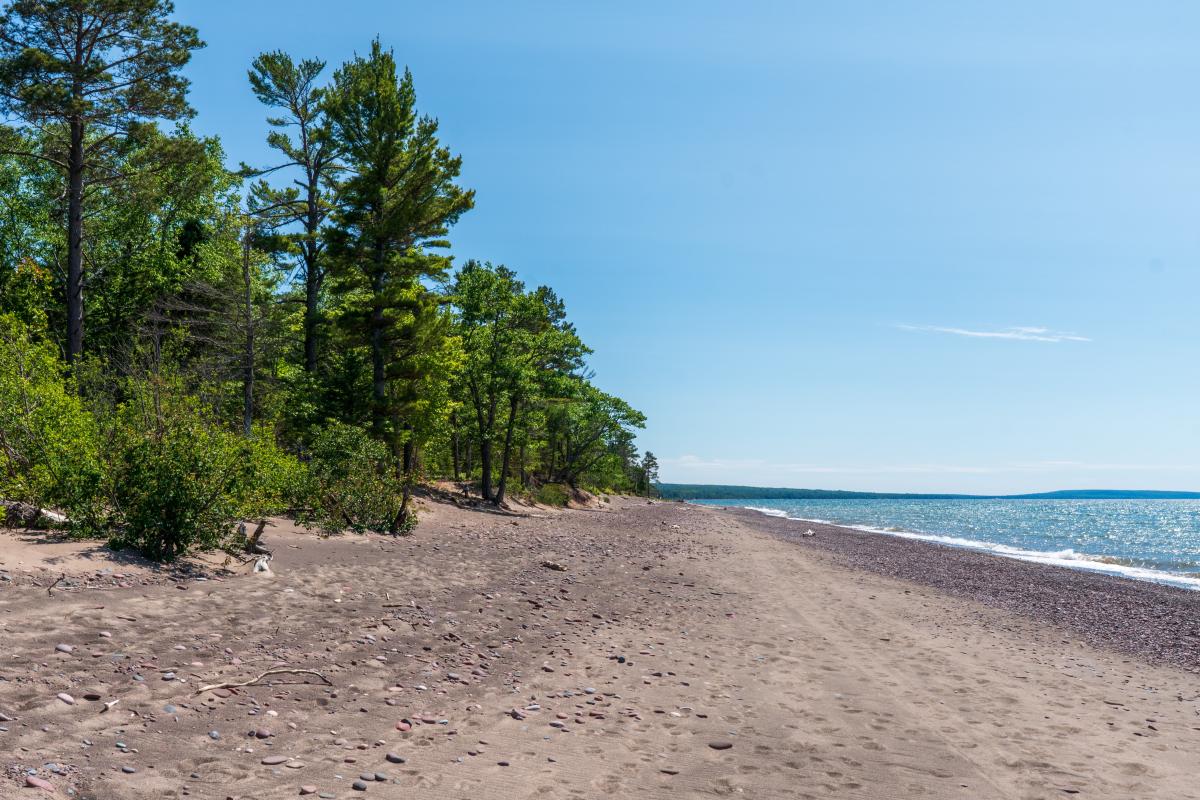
x=920, y=246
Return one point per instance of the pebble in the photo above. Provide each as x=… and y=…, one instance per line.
x=66, y=698
x=214, y=735
x=271, y=761
x=34, y=782
x=65, y=648
x=128, y=770
x=720, y=745
x=395, y=758
x=359, y=786
x=308, y=789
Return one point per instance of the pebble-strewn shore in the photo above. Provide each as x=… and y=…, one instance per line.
x=1155, y=622
x=649, y=650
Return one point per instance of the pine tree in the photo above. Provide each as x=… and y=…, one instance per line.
x=398, y=200
x=88, y=74
x=281, y=83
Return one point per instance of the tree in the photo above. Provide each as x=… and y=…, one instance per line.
x=517, y=345
x=87, y=75
x=591, y=428
x=649, y=473
x=398, y=200
x=281, y=83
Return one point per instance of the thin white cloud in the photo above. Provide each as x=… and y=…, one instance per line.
x=694, y=462
x=1020, y=333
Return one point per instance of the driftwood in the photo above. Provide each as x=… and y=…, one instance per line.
x=252, y=540
x=252, y=681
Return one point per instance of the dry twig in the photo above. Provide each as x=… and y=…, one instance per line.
x=253, y=681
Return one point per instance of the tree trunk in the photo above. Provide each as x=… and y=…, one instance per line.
x=406, y=467
x=378, y=362
x=248, y=366
x=454, y=446
x=312, y=296
x=507, y=457
x=312, y=271
x=75, y=174
x=485, y=464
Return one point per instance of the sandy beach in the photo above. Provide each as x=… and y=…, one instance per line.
x=637, y=649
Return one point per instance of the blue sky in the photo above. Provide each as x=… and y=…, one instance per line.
x=914, y=246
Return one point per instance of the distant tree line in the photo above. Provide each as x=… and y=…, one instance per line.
x=186, y=344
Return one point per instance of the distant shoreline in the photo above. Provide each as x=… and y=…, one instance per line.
x=690, y=491
x=1153, y=621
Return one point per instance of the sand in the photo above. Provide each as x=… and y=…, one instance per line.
x=466, y=651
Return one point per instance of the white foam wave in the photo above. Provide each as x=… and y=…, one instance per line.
x=1059, y=558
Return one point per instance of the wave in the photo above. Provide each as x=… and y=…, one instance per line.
x=1068, y=558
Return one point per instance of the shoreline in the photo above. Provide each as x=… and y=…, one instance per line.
x=1151, y=620
x=1084, y=562
x=640, y=649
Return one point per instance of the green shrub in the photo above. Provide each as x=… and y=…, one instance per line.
x=553, y=494
x=49, y=452
x=352, y=481
x=174, y=480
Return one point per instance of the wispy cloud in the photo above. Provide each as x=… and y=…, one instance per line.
x=1021, y=333
x=729, y=465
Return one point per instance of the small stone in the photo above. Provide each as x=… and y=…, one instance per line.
x=66, y=698
x=272, y=761
x=64, y=648
x=308, y=789
x=34, y=782
x=404, y=725
x=359, y=786
x=214, y=735
x=502, y=763
x=669, y=771
x=128, y=770
x=395, y=758
x=720, y=745
x=262, y=733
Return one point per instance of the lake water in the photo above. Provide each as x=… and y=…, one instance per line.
x=1157, y=540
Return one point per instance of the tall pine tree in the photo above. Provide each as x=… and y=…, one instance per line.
x=87, y=74
x=397, y=201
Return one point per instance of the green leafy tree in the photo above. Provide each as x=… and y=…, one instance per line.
x=87, y=75
x=593, y=433
x=517, y=345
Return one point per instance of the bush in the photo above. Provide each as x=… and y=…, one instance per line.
x=353, y=481
x=553, y=494
x=49, y=452
x=173, y=480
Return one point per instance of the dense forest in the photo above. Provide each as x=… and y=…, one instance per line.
x=188, y=345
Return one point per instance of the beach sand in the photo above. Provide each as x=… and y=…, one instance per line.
x=680, y=651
